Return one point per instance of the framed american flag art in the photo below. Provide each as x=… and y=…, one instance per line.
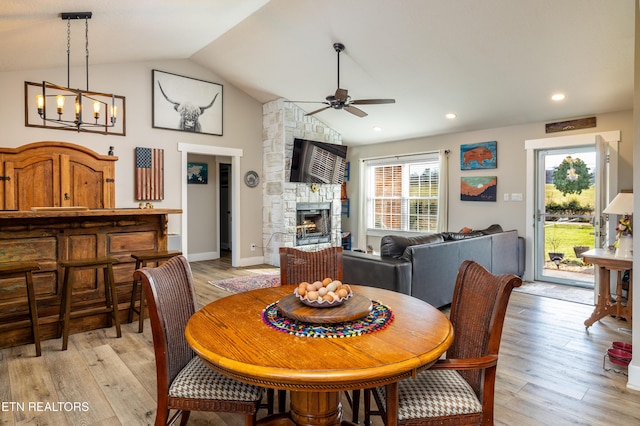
x=149, y=174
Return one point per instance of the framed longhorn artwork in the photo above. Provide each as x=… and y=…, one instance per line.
x=186, y=104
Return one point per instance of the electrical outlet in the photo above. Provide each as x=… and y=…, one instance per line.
x=253, y=246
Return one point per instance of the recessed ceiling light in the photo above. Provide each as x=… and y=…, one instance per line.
x=451, y=116
x=557, y=97
x=377, y=128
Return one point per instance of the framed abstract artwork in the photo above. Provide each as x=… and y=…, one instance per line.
x=478, y=188
x=186, y=104
x=481, y=155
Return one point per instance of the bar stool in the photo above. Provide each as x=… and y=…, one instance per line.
x=110, y=293
x=24, y=269
x=142, y=259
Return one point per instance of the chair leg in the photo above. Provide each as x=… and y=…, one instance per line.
x=141, y=315
x=137, y=293
x=270, y=400
x=33, y=312
x=282, y=401
x=65, y=308
x=184, y=418
x=250, y=419
x=355, y=405
x=110, y=286
x=367, y=407
x=132, y=303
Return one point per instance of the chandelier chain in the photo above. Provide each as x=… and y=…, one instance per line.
x=68, y=51
x=86, y=47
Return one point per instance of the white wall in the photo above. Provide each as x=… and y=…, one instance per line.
x=634, y=367
x=511, y=171
x=242, y=129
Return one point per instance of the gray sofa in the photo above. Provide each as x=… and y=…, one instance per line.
x=426, y=266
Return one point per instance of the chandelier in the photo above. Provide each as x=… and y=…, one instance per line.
x=76, y=109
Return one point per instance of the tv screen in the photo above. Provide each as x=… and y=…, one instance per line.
x=317, y=162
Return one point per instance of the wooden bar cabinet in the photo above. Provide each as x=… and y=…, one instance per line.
x=57, y=203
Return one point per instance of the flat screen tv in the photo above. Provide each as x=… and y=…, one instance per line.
x=317, y=162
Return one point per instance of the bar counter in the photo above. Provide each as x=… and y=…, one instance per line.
x=49, y=235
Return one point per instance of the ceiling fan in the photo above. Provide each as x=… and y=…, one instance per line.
x=342, y=100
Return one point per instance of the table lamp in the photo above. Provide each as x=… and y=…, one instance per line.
x=622, y=204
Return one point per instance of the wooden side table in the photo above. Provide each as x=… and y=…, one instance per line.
x=606, y=261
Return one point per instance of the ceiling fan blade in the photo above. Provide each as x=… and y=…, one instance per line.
x=355, y=111
x=373, y=101
x=318, y=110
x=342, y=95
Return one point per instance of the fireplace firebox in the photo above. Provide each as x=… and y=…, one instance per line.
x=313, y=223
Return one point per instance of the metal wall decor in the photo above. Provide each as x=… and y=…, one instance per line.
x=563, y=126
x=251, y=179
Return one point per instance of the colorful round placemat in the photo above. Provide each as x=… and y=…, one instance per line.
x=377, y=320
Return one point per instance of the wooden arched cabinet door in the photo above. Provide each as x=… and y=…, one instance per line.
x=55, y=174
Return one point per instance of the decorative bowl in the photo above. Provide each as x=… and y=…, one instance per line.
x=622, y=345
x=619, y=356
x=322, y=303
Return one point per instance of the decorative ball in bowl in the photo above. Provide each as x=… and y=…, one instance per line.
x=323, y=294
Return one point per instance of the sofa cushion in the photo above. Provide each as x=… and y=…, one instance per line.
x=394, y=245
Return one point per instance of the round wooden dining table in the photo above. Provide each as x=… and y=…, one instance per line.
x=232, y=337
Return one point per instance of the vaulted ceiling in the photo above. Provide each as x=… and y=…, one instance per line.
x=493, y=63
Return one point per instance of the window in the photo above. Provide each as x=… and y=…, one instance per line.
x=402, y=193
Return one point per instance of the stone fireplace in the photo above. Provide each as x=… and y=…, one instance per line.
x=282, y=123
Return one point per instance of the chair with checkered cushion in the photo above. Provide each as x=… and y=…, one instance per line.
x=185, y=383
x=459, y=389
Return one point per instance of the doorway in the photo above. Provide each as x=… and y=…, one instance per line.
x=225, y=207
x=235, y=155
x=565, y=215
x=562, y=217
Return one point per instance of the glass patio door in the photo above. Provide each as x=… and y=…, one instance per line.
x=568, y=201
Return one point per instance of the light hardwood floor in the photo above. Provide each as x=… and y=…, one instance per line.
x=550, y=370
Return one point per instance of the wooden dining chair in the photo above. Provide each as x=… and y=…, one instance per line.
x=184, y=382
x=297, y=265
x=460, y=388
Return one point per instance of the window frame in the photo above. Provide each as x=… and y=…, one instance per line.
x=433, y=160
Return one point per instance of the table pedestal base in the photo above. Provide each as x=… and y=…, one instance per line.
x=310, y=409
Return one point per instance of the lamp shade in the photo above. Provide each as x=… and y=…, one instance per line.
x=621, y=204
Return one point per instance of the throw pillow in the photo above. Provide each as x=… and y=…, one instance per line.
x=394, y=245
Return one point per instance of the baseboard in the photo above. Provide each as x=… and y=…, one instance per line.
x=251, y=261
x=196, y=257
